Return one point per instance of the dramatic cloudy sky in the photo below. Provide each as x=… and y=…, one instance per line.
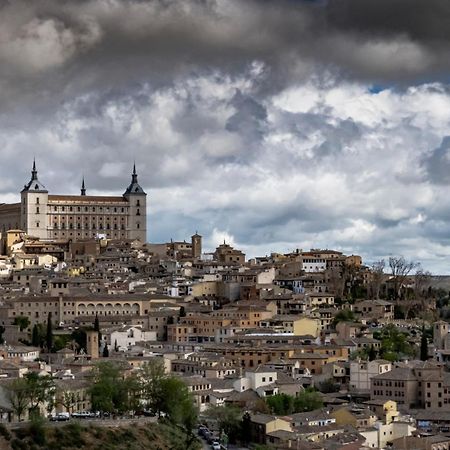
x=275, y=124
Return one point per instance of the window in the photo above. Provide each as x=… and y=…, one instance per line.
x=37, y=200
x=37, y=210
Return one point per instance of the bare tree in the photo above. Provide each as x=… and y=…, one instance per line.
x=400, y=269
x=422, y=280
x=336, y=281
x=377, y=274
x=68, y=399
x=17, y=394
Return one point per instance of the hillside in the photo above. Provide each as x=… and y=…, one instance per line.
x=152, y=436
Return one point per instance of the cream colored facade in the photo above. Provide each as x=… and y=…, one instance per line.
x=362, y=372
x=72, y=217
x=307, y=326
x=67, y=309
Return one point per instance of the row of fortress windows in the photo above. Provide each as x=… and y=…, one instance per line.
x=138, y=213
x=86, y=208
x=93, y=227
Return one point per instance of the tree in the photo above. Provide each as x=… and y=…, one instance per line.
x=108, y=391
x=422, y=280
x=377, y=275
x=40, y=390
x=105, y=351
x=400, y=269
x=68, y=400
x=345, y=315
x=97, y=328
x=2, y=330
x=394, y=343
x=35, y=338
x=177, y=403
x=424, y=346
x=49, y=334
x=280, y=404
x=308, y=400
x=79, y=337
x=182, y=312
x=151, y=377
x=246, y=428
x=328, y=386
x=372, y=353
x=228, y=418
x=116, y=347
x=22, y=321
x=17, y=394
x=96, y=323
x=336, y=281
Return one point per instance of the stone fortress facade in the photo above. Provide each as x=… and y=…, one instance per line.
x=74, y=217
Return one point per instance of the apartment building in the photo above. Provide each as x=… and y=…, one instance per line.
x=414, y=384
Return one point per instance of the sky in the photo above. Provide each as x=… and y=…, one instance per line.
x=275, y=125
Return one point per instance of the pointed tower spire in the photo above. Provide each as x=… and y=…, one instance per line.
x=83, y=188
x=134, y=187
x=34, y=171
x=134, y=174
x=34, y=184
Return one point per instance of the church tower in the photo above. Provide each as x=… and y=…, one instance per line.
x=196, y=241
x=440, y=333
x=137, y=209
x=34, y=201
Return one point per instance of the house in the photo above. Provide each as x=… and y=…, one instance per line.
x=374, y=309
x=354, y=415
x=263, y=424
x=421, y=443
x=127, y=337
x=362, y=372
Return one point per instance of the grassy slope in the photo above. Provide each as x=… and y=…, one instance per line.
x=75, y=437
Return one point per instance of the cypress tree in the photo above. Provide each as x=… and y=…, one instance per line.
x=96, y=323
x=116, y=347
x=423, y=346
x=49, y=335
x=372, y=353
x=35, y=338
x=97, y=329
x=105, y=351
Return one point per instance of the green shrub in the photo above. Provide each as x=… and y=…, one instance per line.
x=17, y=444
x=5, y=432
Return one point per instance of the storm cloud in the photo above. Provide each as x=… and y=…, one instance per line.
x=276, y=124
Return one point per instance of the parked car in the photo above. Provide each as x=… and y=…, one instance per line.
x=81, y=415
x=215, y=445
x=60, y=417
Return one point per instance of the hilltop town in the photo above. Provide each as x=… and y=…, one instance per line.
x=307, y=349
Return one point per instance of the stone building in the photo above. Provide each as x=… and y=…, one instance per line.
x=74, y=217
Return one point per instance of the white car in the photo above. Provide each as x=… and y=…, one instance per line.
x=60, y=417
x=215, y=446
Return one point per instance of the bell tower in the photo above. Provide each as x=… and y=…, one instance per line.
x=34, y=201
x=137, y=209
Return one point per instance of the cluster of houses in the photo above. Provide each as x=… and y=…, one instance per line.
x=236, y=331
